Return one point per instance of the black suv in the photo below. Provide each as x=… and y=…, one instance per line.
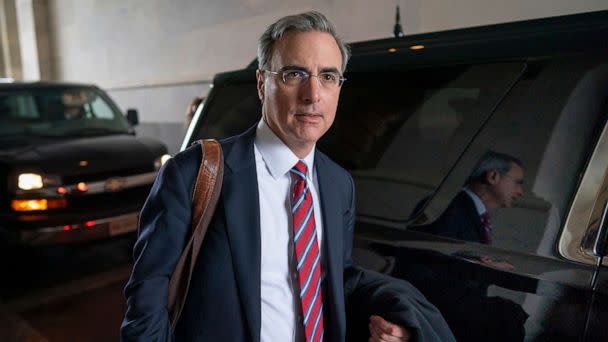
x=71, y=168
x=414, y=117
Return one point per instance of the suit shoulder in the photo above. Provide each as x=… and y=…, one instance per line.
x=332, y=166
x=189, y=158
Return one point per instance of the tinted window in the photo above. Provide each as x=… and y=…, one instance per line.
x=550, y=121
x=58, y=111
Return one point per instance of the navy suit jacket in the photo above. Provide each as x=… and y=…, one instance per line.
x=460, y=221
x=223, y=303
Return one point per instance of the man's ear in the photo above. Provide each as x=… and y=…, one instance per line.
x=492, y=177
x=261, y=81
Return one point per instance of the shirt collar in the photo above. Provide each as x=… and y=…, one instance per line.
x=481, y=208
x=279, y=159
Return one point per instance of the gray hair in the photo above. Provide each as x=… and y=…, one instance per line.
x=303, y=22
x=492, y=160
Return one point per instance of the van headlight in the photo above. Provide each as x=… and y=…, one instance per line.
x=160, y=161
x=29, y=181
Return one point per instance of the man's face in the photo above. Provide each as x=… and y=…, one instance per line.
x=300, y=115
x=509, y=186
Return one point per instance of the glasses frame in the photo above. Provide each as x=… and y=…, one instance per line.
x=282, y=73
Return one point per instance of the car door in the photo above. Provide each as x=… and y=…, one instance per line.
x=535, y=282
x=594, y=241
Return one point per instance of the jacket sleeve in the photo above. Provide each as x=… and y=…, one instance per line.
x=371, y=293
x=163, y=227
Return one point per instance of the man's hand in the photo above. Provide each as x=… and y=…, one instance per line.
x=383, y=330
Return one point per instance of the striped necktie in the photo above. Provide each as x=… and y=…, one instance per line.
x=307, y=254
x=487, y=227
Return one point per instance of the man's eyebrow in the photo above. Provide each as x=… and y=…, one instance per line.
x=330, y=69
x=301, y=68
x=294, y=67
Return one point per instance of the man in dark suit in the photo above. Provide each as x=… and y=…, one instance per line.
x=495, y=182
x=275, y=264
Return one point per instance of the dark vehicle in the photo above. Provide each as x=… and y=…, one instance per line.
x=70, y=164
x=415, y=115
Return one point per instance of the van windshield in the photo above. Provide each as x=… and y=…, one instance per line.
x=59, y=112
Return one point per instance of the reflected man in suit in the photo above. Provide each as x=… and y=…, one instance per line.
x=275, y=264
x=496, y=181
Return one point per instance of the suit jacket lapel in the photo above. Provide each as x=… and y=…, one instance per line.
x=333, y=236
x=241, y=203
x=474, y=216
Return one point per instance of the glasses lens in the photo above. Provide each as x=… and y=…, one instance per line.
x=294, y=77
x=329, y=79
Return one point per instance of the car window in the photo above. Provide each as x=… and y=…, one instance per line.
x=18, y=106
x=400, y=131
x=58, y=111
x=100, y=109
x=550, y=122
x=230, y=110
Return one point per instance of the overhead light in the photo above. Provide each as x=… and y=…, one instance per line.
x=391, y=50
x=29, y=181
x=417, y=47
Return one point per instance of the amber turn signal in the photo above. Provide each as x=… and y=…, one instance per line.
x=38, y=204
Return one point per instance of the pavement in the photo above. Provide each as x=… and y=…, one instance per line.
x=85, y=309
x=14, y=328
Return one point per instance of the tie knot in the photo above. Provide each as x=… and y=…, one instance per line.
x=300, y=169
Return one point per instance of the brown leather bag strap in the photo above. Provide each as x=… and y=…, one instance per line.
x=204, y=200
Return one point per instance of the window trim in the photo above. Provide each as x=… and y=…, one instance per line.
x=582, y=220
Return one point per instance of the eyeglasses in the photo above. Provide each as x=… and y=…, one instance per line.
x=295, y=77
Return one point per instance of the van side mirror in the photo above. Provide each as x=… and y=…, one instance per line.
x=132, y=117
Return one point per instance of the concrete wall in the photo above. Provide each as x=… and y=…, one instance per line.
x=155, y=55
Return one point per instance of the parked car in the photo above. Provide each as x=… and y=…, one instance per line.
x=415, y=115
x=71, y=166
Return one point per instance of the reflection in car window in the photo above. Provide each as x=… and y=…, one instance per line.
x=399, y=132
x=552, y=137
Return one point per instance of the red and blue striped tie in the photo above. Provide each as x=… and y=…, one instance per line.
x=307, y=254
x=487, y=227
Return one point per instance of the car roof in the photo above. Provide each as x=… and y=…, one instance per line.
x=536, y=38
x=530, y=38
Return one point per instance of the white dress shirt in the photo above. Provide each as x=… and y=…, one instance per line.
x=280, y=299
x=481, y=208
